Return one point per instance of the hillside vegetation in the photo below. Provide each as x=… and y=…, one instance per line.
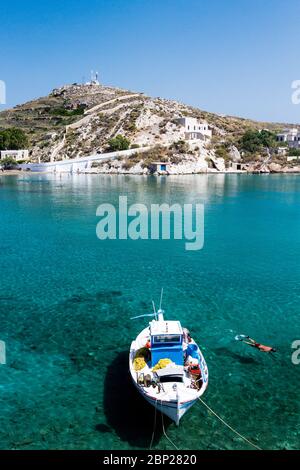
x=78, y=120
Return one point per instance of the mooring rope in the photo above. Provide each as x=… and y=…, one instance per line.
x=154, y=427
x=228, y=426
x=163, y=426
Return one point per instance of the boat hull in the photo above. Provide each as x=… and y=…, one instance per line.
x=176, y=401
x=173, y=409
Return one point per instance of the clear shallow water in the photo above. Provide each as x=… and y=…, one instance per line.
x=66, y=299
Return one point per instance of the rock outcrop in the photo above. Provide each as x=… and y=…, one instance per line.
x=235, y=155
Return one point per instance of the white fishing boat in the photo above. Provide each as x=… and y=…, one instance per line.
x=167, y=366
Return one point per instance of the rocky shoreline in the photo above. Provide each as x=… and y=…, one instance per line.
x=193, y=166
x=97, y=171
x=13, y=172
x=208, y=172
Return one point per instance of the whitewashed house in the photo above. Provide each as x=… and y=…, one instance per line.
x=291, y=137
x=15, y=154
x=194, y=129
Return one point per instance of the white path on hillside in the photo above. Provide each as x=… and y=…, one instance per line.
x=90, y=112
x=120, y=98
x=57, y=149
x=88, y=116
x=79, y=164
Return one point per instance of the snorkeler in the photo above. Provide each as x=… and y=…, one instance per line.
x=254, y=344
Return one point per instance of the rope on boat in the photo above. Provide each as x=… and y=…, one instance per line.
x=163, y=426
x=228, y=426
x=154, y=427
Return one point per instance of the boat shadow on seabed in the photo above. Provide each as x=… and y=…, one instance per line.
x=125, y=409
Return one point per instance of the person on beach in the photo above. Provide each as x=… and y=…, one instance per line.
x=259, y=346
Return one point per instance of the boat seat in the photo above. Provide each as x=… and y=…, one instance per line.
x=171, y=370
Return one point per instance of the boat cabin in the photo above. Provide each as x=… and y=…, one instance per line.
x=166, y=341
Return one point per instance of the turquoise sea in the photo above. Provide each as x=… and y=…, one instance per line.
x=66, y=299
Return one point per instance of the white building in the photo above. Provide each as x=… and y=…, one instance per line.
x=290, y=136
x=16, y=154
x=194, y=129
x=282, y=150
x=292, y=159
x=161, y=167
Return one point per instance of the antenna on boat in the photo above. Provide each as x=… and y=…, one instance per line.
x=160, y=312
x=154, y=310
x=161, y=297
x=145, y=315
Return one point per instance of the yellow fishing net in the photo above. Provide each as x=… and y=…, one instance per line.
x=139, y=363
x=141, y=356
x=162, y=363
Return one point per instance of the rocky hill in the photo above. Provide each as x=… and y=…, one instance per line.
x=78, y=120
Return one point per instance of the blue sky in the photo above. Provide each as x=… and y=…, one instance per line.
x=235, y=57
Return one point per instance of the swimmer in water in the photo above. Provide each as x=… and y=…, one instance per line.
x=259, y=346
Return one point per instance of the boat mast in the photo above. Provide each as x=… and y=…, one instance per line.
x=154, y=310
x=160, y=311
